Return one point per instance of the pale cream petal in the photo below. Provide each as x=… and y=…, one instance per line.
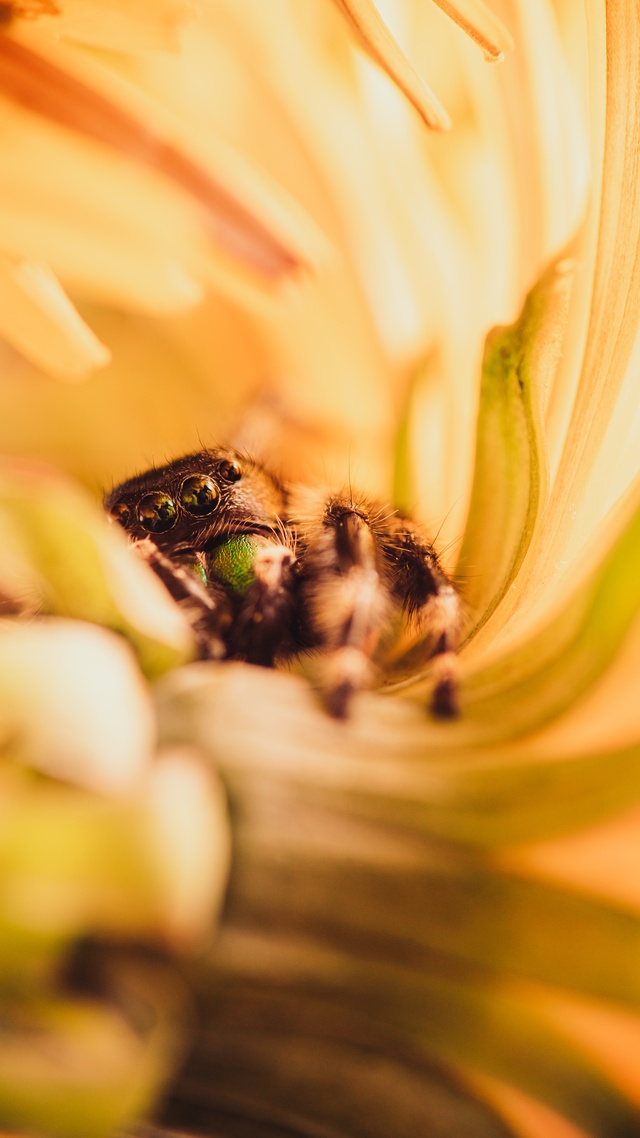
x=602, y=332
x=189, y=831
x=37, y=318
x=104, y=225
x=98, y=107
x=73, y=704
x=383, y=48
x=121, y=25
x=479, y=22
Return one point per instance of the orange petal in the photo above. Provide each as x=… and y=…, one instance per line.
x=480, y=25
x=38, y=83
x=383, y=48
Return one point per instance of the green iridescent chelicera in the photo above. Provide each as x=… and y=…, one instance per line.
x=231, y=562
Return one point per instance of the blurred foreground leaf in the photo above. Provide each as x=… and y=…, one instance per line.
x=58, y=551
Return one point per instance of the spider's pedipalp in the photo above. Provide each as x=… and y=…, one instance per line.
x=207, y=607
x=263, y=628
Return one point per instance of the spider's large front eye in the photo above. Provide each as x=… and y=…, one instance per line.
x=157, y=512
x=199, y=495
x=230, y=471
x=121, y=513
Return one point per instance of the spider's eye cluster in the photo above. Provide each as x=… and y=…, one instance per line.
x=158, y=511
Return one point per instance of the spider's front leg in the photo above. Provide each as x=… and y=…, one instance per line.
x=431, y=599
x=344, y=595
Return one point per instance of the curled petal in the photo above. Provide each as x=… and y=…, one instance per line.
x=73, y=704
x=120, y=25
x=189, y=833
x=37, y=318
x=481, y=25
x=383, y=48
x=510, y=477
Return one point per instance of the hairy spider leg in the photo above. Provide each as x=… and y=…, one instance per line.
x=433, y=602
x=207, y=606
x=345, y=599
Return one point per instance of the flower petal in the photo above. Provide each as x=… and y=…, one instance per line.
x=37, y=318
x=80, y=1068
x=480, y=23
x=530, y=684
x=509, y=481
x=73, y=704
x=447, y=1014
x=58, y=88
x=61, y=548
x=189, y=833
x=296, y=795
x=382, y=47
x=603, y=325
x=121, y=25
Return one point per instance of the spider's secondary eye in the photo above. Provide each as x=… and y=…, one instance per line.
x=157, y=512
x=199, y=495
x=230, y=471
x=120, y=513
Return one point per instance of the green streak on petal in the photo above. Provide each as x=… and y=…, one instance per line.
x=510, y=475
x=403, y=480
x=464, y=1021
x=531, y=684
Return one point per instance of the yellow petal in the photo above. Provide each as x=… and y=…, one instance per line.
x=481, y=25
x=95, y=105
x=37, y=318
x=383, y=48
x=121, y=25
x=73, y=703
x=189, y=832
x=601, y=337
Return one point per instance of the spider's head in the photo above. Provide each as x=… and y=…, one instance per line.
x=190, y=503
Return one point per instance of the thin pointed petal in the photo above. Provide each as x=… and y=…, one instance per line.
x=39, y=84
x=510, y=477
x=39, y=320
x=120, y=25
x=481, y=25
x=383, y=48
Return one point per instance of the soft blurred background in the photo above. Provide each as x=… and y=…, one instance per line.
x=414, y=242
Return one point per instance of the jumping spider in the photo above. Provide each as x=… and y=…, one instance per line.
x=266, y=571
